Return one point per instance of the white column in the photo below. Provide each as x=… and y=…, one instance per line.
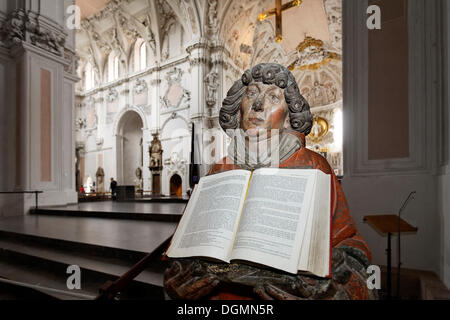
x=154, y=92
x=198, y=60
x=146, y=175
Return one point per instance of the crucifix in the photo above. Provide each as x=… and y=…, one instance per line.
x=277, y=11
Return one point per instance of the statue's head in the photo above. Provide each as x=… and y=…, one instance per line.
x=266, y=97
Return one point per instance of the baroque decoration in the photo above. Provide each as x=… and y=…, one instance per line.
x=175, y=164
x=176, y=97
x=212, y=85
x=112, y=95
x=27, y=26
x=80, y=124
x=140, y=86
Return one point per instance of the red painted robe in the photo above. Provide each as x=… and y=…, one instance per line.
x=344, y=230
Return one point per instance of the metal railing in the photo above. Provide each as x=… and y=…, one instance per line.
x=36, y=194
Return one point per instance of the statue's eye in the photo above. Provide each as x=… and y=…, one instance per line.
x=251, y=94
x=274, y=99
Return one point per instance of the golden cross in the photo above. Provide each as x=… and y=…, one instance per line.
x=277, y=11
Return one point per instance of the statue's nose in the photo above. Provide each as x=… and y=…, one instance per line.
x=257, y=105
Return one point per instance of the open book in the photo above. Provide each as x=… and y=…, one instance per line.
x=278, y=218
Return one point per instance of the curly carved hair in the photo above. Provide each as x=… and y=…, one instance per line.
x=300, y=116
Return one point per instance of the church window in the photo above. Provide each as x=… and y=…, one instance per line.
x=116, y=68
x=143, y=56
x=89, y=77
x=113, y=68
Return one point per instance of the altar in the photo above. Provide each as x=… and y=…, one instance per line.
x=125, y=193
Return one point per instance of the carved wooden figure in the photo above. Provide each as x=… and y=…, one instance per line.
x=266, y=98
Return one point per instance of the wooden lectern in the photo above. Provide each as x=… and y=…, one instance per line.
x=390, y=224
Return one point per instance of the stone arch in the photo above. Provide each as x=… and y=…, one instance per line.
x=120, y=115
x=128, y=130
x=176, y=185
x=173, y=117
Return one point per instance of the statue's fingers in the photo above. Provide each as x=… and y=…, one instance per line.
x=174, y=268
x=190, y=289
x=199, y=283
x=326, y=289
x=303, y=285
x=279, y=294
x=183, y=289
x=208, y=281
x=207, y=289
x=342, y=274
x=181, y=276
x=199, y=288
x=187, y=273
x=172, y=271
x=170, y=279
x=261, y=292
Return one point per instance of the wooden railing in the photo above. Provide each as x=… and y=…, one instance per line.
x=111, y=289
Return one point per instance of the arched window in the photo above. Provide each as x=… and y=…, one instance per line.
x=143, y=56
x=89, y=79
x=113, y=68
x=140, y=55
x=116, y=67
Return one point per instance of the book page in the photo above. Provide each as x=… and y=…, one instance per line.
x=319, y=251
x=274, y=217
x=306, y=242
x=209, y=223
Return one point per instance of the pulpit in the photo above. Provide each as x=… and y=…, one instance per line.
x=388, y=224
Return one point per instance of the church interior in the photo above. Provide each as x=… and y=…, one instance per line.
x=130, y=91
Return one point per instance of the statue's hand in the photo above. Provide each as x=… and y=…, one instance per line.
x=345, y=262
x=189, y=280
x=300, y=288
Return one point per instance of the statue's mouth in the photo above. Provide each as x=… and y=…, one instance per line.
x=256, y=120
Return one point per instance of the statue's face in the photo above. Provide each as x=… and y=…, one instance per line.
x=263, y=108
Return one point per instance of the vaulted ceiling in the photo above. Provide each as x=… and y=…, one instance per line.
x=113, y=25
x=90, y=7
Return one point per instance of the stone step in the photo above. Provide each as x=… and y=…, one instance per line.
x=164, y=217
x=73, y=246
x=39, y=275
x=35, y=252
x=103, y=237
x=133, y=210
x=45, y=269
x=153, y=275
x=13, y=291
